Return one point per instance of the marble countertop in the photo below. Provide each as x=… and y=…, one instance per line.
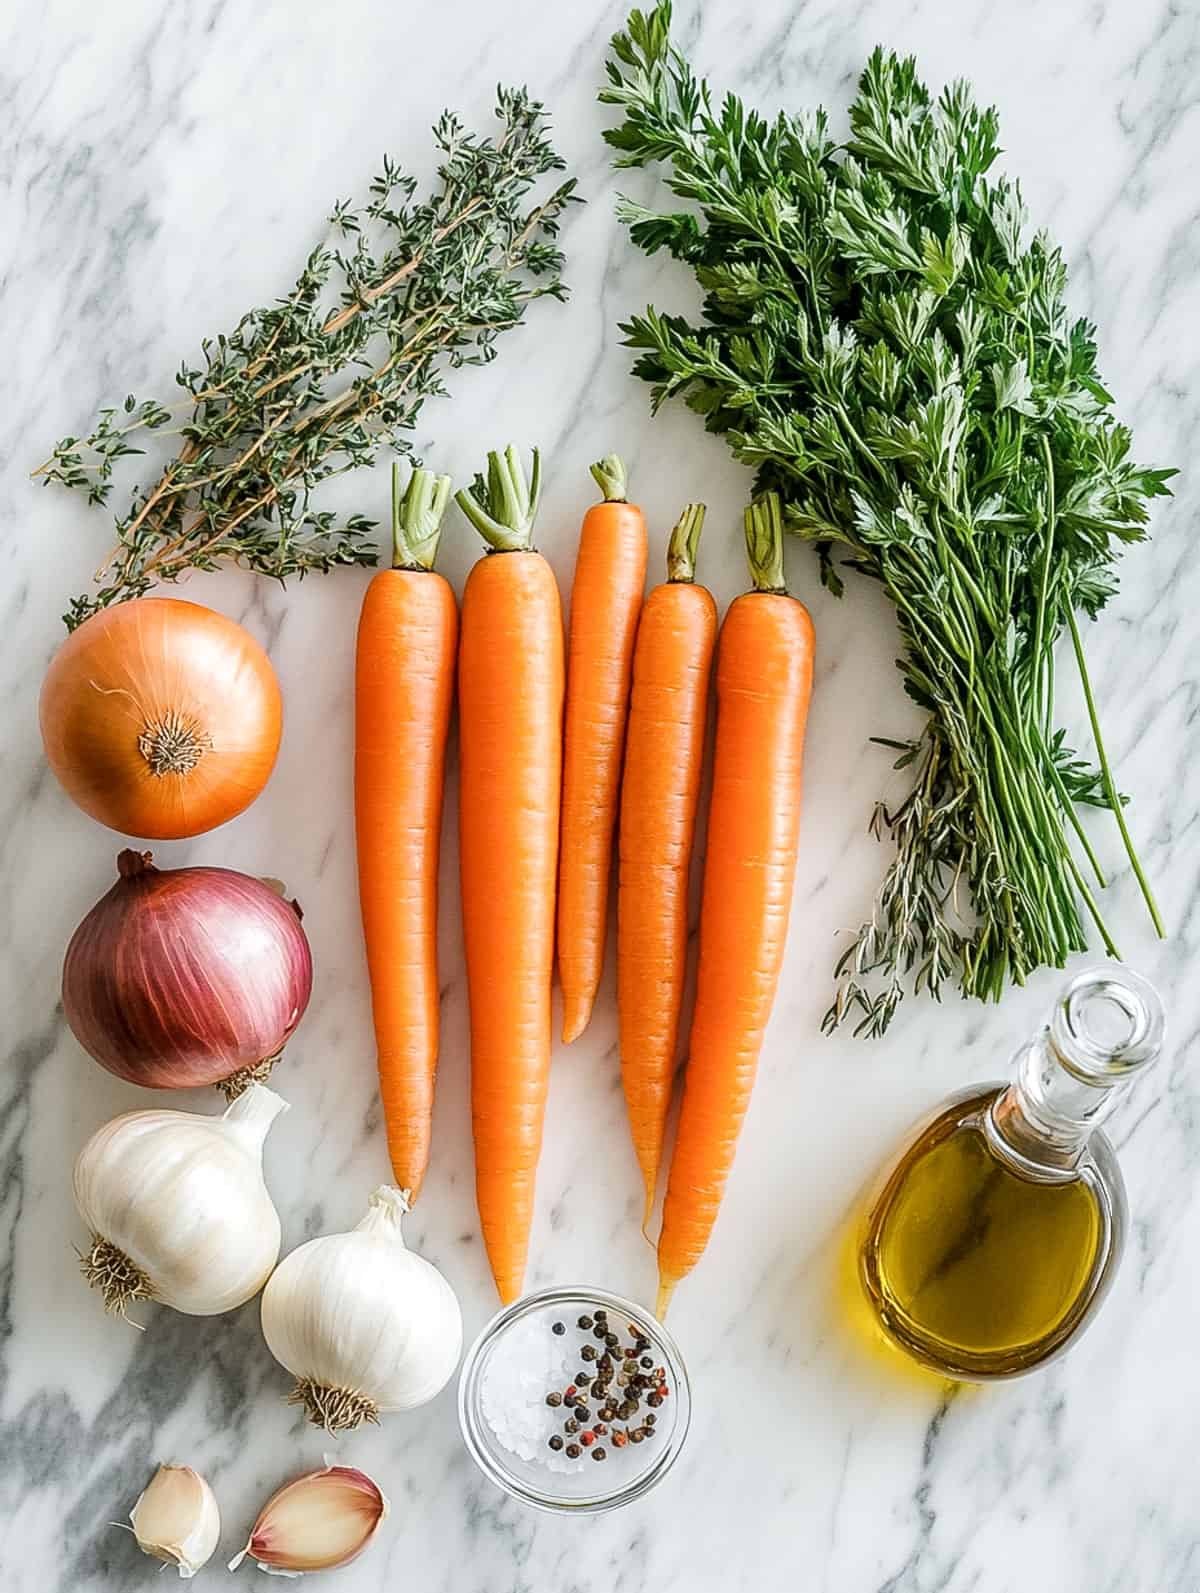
x=161, y=169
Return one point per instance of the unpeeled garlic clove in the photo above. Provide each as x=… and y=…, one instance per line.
x=316, y=1522
x=176, y=1519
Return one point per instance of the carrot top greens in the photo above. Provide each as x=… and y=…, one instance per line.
x=889, y=347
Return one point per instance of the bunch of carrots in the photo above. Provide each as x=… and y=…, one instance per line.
x=559, y=759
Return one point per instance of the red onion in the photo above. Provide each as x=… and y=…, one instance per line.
x=186, y=976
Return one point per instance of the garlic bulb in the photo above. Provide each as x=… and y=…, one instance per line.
x=176, y=1519
x=316, y=1522
x=177, y=1207
x=363, y=1324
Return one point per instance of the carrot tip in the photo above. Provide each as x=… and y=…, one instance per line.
x=666, y=1288
x=575, y=1020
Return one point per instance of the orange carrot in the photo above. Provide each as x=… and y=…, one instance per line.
x=606, y=598
x=764, y=679
x=404, y=682
x=510, y=694
x=659, y=792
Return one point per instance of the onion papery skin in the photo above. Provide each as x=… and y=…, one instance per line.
x=161, y=718
x=181, y=977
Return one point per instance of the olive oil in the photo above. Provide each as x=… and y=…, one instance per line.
x=995, y=1234
x=973, y=1267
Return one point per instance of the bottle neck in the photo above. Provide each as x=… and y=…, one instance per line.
x=1107, y=1026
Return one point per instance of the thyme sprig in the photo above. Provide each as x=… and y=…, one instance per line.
x=889, y=348
x=401, y=289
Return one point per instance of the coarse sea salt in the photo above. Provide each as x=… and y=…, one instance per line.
x=527, y=1363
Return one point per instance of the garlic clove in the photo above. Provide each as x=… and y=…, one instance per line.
x=176, y=1519
x=316, y=1522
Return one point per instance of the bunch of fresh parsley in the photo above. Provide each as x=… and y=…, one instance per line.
x=887, y=345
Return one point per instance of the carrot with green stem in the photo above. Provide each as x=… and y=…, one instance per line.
x=660, y=789
x=606, y=599
x=510, y=694
x=404, y=685
x=764, y=680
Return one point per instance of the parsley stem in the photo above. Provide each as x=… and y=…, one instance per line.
x=1040, y=664
x=1114, y=799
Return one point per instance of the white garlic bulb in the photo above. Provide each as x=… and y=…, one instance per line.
x=363, y=1324
x=176, y=1519
x=177, y=1206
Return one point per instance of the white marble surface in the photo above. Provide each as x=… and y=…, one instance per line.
x=161, y=168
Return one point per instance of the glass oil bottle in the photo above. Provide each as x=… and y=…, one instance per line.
x=995, y=1235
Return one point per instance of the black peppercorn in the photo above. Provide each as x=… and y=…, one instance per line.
x=554, y=1400
x=583, y=1379
x=584, y=1322
x=650, y=1420
x=588, y=1352
x=654, y=1399
x=555, y=1441
x=636, y=1435
x=570, y=1425
x=626, y=1409
x=646, y=1362
x=599, y=1453
x=600, y=1314
x=573, y=1451
x=560, y=1328
x=611, y=1340
x=599, y=1331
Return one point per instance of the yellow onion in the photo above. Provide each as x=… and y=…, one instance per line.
x=161, y=718
x=187, y=976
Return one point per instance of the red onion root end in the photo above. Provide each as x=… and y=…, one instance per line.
x=238, y=1083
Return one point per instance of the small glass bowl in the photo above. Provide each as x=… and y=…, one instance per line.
x=628, y=1473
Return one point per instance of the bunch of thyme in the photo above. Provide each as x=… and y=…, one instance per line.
x=314, y=384
x=888, y=347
